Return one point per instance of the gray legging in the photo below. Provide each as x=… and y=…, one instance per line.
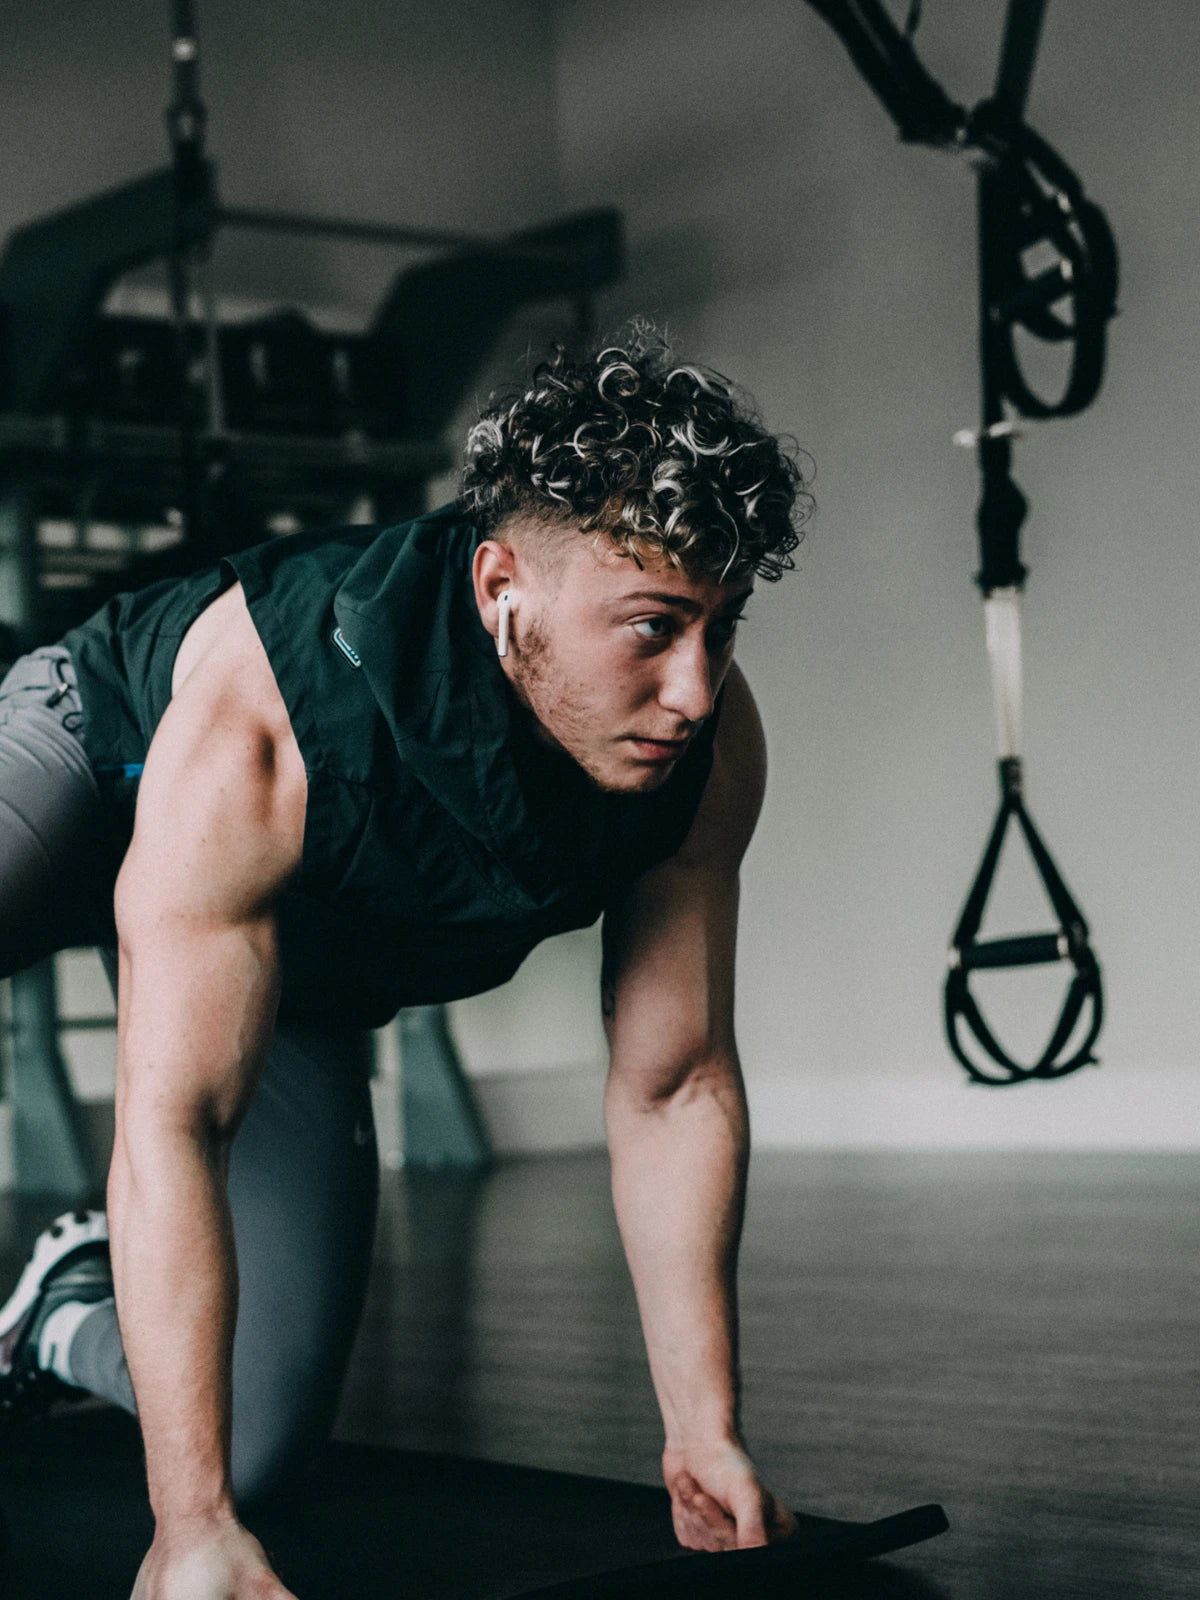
x=303, y=1173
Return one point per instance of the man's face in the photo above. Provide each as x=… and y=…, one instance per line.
x=619, y=665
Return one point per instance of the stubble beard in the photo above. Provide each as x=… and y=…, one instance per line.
x=558, y=708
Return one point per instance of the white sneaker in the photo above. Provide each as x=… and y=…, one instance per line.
x=69, y=1263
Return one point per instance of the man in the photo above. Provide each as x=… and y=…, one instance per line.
x=374, y=769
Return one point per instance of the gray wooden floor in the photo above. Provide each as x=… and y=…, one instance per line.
x=1016, y=1336
x=1013, y=1335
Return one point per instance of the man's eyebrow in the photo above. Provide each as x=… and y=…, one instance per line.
x=684, y=602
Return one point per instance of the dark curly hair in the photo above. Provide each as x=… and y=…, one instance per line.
x=663, y=461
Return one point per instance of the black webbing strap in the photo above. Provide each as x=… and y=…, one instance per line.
x=1000, y=514
x=884, y=55
x=1018, y=54
x=1068, y=943
x=1029, y=198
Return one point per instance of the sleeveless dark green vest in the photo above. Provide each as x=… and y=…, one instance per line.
x=442, y=841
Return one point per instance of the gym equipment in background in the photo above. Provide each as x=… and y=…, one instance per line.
x=1030, y=202
x=224, y=432
x=135, y=448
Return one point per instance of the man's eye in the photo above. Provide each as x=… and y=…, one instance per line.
x=655, y=627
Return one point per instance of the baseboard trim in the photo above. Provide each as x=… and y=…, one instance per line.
x=1107, y=1108
x=1110, y=1108
x=554, y=1108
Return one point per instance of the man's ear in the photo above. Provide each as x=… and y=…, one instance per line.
x=494, y=573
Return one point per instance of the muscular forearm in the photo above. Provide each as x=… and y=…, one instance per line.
x=679, y=1166
x=176, y=1285
x=197, y=1009
x=218, y=836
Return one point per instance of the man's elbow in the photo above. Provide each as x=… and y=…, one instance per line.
x=161, y=1125
x=676, y=1082
x=158, y=1167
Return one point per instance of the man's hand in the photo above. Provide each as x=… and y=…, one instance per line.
x=207, y=1562
x=717, y=1501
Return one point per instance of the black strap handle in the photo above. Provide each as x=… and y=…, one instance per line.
x=1068, y=943
x=1026, y=950
x=962, y=1007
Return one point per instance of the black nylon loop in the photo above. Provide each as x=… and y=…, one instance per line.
x=1090, y=291
x=961, y=1007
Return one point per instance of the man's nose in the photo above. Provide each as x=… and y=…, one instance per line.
x=687, y=687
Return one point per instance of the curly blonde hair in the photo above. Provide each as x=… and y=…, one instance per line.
x=663, y=461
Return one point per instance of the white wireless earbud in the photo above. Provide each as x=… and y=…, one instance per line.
x=502, y=607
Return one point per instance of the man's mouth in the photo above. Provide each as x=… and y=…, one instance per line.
x=658, y=749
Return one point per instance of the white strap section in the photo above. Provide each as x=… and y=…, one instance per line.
x=1002, y=614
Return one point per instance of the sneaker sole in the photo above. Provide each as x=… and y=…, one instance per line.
x=66, y=1234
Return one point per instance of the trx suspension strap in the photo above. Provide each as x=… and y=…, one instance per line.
x=1028, y=198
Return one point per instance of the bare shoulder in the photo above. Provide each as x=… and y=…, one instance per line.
x=223, y=796
x=733, y=796
x=222, y=673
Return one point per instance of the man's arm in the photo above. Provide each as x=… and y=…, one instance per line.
x=219, y=831
x=678, y=1133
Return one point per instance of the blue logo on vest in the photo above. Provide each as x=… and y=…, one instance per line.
x=347, y=649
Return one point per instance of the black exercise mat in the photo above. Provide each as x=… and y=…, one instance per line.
x=372, y=1523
